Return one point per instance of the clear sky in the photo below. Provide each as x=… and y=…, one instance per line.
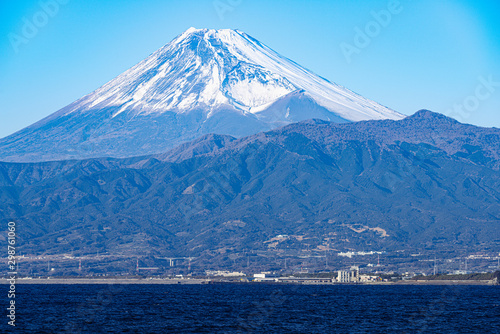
x=439, y=55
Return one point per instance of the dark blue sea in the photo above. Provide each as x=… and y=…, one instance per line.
x=255, y=309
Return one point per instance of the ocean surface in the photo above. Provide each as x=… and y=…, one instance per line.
x=232, y=308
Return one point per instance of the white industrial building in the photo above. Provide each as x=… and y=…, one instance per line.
x=348, y=276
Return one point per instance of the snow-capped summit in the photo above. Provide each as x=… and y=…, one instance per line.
x=203, y=81
x=206, y=68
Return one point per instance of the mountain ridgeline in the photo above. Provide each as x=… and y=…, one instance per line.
x=425, y=182
x=215, y=146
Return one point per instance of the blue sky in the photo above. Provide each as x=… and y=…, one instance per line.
x=438, y=55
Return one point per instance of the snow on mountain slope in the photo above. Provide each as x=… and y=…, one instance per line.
x=204, y=81
x=209, y=68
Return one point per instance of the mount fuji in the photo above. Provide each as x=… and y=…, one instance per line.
x=204, y=81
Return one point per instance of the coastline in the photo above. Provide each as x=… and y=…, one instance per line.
x=105, y=281
x=196, y=281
